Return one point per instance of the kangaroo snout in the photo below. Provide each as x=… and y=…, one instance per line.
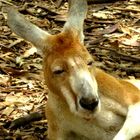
x=88, y=103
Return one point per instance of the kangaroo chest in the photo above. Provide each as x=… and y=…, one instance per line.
x=104, y=126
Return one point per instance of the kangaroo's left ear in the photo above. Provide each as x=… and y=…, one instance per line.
x=26, y=29
x=76, y=15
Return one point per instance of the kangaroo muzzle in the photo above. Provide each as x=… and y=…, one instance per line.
x=85, y=89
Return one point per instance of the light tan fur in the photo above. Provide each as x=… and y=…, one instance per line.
x=84, y=102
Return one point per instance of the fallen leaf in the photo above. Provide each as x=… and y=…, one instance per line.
x=124, y=29
x=133, y=41
x=8, y=110
x=29, y=52
x=10, y=99
x=103, y=15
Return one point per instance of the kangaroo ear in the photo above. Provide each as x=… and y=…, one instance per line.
x=26, y=29
x=76, y=15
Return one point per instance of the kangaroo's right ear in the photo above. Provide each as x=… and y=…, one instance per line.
x=26, y=29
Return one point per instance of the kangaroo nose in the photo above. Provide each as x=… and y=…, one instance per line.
x=89, y=104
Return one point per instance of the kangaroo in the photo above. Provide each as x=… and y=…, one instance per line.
x=84, y=102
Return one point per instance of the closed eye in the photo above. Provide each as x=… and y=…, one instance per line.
x=57, y=72
x=90, y=63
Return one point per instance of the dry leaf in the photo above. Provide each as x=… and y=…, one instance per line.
x=8, y=110
x=133, y=41
x=29, y=52
x=124, y=29
x=13, y=99
x=103, y=15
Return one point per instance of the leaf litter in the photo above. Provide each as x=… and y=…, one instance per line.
x=112, y=36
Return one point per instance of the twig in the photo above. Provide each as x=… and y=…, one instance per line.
x=130, y=69
x=59, y=3
x=126, y=9
x=3, y=107
x=47, y=9
x=26, y=120
x=6, y=2
x=119, y=54
x=41, y=122
x=16, y=89
x=15, y=43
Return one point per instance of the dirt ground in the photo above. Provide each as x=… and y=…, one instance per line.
x=112, y=36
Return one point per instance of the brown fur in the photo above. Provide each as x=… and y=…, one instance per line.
x=120, y=90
